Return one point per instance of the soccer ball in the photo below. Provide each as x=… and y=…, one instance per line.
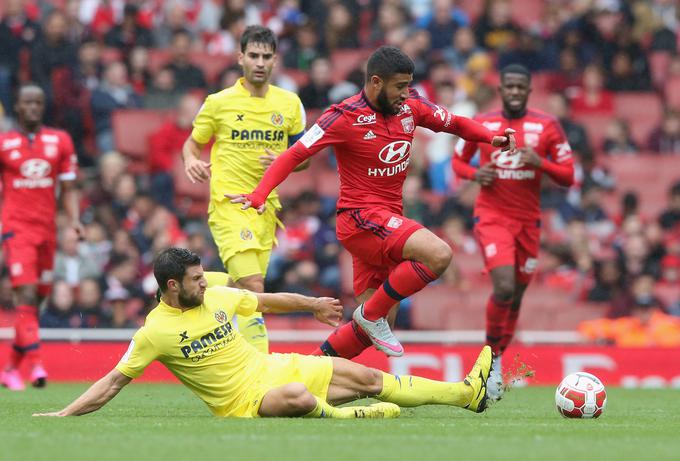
x=581, y=395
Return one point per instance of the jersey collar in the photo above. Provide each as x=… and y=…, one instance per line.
x=368, y=103
x=242, y=89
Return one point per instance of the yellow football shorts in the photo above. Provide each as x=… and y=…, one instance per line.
x=243, y=238
x=315, y=372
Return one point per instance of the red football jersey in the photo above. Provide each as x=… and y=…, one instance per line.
x=30, y=166
x=373, y=149
x=516, y=191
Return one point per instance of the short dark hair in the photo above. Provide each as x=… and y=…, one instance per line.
x=387, y=61
x=515, y=69
x=258, y=34
x=171, y=264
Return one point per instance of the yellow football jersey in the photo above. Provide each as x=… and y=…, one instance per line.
x=201, y=348
x=243, y=126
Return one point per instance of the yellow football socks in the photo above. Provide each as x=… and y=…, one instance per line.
x=411, y=391
x=378, y=410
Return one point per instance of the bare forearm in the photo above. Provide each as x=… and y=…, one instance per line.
x=304, y=165
x=98, y=395
x=70, y=199
x=281, y=303
x=190, y=149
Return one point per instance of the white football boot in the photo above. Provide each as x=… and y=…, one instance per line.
x=379, y=332
x=494, y=386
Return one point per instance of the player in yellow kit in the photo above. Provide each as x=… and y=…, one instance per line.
x=251, y=123
x=190, y=333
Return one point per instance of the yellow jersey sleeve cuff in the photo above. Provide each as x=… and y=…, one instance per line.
x=127, y=371
x=248, y=304
x=199, y=138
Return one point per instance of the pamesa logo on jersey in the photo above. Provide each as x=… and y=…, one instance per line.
x=257, y=135
x=210, y=343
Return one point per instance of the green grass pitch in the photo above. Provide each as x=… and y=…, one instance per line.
x=165, y=422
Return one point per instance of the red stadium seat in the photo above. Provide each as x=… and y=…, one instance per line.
x=327, y=181
x=345, y=61
x=312, y=116
x=540, y=81
x=527, y=13
x=109, y=55
x=211, y=64
x=539, y=99
x=297, y=183
x=672, y=92
x=473, y=8
x=642, y=110
x=659, y=62
x=595, y=125
x=158, y=58
x=131, y=131
x=649, y=175
x=190, y=199
x=300, y=77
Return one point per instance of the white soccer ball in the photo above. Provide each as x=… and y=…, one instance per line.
x=581, y=395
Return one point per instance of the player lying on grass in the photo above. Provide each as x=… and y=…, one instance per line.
x=191, y=334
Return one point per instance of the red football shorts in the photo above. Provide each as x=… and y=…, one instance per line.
x=30, y=259
x=375, y=237
x=509, y=242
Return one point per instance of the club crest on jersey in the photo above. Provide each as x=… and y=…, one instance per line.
x=408, y=124
x=246, y=234
x=277, y=119
x=395, y=223
x=395, y=152
x=531, y=139
x=366, y=119
x=15, y=154
x=220, y=316
x=49, y=138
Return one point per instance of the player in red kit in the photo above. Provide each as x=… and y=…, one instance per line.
x=34, y=161
x=507, y=213
x=371, y=132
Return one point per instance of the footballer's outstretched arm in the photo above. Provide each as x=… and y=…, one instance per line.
x=196, y=169
x=326, y=310
x=98, y=395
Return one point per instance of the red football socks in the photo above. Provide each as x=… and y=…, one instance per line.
x=347, y=341
x=26, y=337
x=496, y=316
x=510, y=327
x=407, y=278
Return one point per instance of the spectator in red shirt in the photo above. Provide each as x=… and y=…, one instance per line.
x=165, y=146
x=593, y=97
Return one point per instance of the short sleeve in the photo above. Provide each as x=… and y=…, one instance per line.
x=231, y=300
x=68, y=160
x=247, y=304
x=299, y=119
x=139, y=355
x=328, y=130
x=204, y=123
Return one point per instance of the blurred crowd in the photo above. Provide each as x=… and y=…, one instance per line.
x=94, y=57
